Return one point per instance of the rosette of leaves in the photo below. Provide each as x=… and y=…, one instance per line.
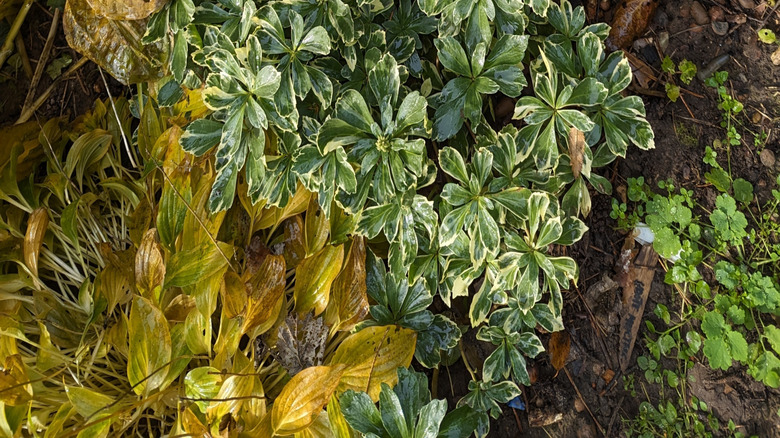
x=239, y=90
x=405, y=304
x=407, y=411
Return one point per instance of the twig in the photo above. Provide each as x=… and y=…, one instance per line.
x=7, y=48
x=614, y=416
x=579, y=394
x=42, y=60
x=772, y=12
x=38, y=102
x=23, y=55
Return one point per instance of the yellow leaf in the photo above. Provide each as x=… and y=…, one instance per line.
x=317, y=227
x=314, y=277
x=16, y=389
x=264, y=288
x=294, y=245
x=338, y=424
x=114, y=45
x=126, y=9
x=150, y=347
x=192, y=426
x=233, y=293
x=321, y=428
x=303, y=398
x=194, y=265
x=373, y=355
x=234, y=392
x=149, y=267
x=273, y=216
x=49, y=355
x=33, y=238
x=349, y=304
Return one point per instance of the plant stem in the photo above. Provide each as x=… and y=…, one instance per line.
x=7, y=48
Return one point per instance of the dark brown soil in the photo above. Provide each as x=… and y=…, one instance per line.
x=682, y=130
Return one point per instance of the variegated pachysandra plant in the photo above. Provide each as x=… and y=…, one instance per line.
x=315, y=174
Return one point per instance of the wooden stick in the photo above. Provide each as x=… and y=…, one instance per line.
x=42, y=60
x=25, y=116
x=577, y=390
x=7, y=48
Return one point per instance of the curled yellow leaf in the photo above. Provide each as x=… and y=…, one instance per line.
x=126, y=9
x=264, y=288
x=303, y=398
x=349, y=304
x=16, y=389
x=372, y=356
x=33, y=238
x=149, y=267
x=314, y=277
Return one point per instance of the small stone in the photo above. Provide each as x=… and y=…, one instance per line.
x=699, y=14
x=737, y=19
x=685, y=10
x=579, y=406
x=661, y=19
x=776, y=57
x=756, y=118
x=747, y=4
x=767, y=158
x=604, y=5
x=716, y=13
x=720, y=28
x=663, y=40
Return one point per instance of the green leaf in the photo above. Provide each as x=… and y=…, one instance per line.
x=194, y=265
x=361, y=413
x=737, y=346
x=316, y=41
x=717, y=352
x=453, y=164
x=200, y=136
x=452, y=56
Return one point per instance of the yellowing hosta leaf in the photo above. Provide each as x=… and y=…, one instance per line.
x=303, y=398
x=33, y=238
x=233, y=293
x=48, y=354
x=114, y=45
x=126, y=9
x=314, y=277
x=317, y=227
x=294, y=244
x=149, y=267
x=192, y=426
x=14, y=389
x=273, y=216
x=88, y=402
x=348, y=303
x=173, y=209
x=235, y=391
x=372, y=356
x=191, y=266
x=321, y=428
x=150, y=347
x=264, y=288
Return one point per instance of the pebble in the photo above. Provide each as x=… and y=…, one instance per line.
x=720, y=28
x=767, y=158
x=579, y=406
x=661, y=19
x=747, y=4
x=663, y=40
x=699, y=14
x=756, y=118
x=604, y=5
x=685, y=10
x=716, y=13
x=776, y=57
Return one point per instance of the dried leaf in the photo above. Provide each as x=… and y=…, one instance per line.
x=303, y=398
x=314, y=277
x=560, y=343
x=630, y=21
x=643, y=73
x=294, y=244
x=114, y=45
x=33, y=238
x=126, y=9
x=576, y=150
x=16, y=389
x=180, y=306
x=265, y=283
x=150, y=347
x=149, y=267
x=349, y=303
x=300, y=344
x=373, y=356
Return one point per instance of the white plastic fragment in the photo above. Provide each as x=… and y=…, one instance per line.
x=645, y=236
